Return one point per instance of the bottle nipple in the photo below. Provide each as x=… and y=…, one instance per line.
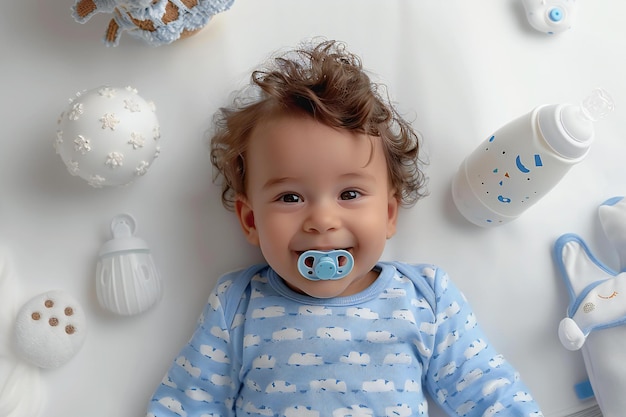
x=597, y=105
x=568, y=128
x=578, y=120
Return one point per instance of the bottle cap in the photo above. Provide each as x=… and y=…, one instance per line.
x=122, y=229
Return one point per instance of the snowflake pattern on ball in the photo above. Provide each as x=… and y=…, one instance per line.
x=142, y=168
x=58, y=141
x=72, y=167
x=109, y=121
x=115, y=159
x=75, y=113
x=107, y=92
x=96, y=181
x=82, y=145
x=156, y=132
x=132, y=106
x=136, y=140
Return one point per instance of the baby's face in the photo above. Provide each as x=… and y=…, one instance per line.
x=312, y=187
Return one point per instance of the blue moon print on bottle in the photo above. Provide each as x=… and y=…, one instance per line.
x=522, y=167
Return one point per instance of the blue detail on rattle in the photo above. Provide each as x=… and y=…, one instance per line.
x=556, y=14
x=325, y=265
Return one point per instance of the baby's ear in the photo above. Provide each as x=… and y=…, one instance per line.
x=245, y=214
x=393, y=205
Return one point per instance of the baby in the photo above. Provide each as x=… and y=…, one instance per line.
x=316, y=163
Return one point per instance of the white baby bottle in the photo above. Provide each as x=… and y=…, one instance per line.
x=523, y=160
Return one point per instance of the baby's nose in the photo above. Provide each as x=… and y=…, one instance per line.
x=322, y=218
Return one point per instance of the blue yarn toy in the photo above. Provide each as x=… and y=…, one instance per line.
x=157, y=22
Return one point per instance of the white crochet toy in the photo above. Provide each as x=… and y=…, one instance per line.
x=157, y=22
x=21, y=389
x=597, y=311
x=50, y=329
x=46, y=332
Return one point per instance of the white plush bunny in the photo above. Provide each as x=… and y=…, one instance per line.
x=597, y=311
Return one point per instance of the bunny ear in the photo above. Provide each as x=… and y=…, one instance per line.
x=577, y=265
x=612, y=214
x=20, y=383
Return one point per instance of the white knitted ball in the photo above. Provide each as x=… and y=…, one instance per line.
x=50, y=329
x=108, y=136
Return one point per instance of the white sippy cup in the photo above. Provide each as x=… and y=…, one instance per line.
x=127, y=280
x=523, y=160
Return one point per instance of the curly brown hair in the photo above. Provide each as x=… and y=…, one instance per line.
x=328, y=83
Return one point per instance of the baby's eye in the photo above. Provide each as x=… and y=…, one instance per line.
x=349, y=195
x=290, y=198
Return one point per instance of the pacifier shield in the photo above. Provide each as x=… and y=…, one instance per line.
x=325, y=265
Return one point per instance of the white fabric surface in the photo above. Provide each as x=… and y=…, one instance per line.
x=460, y=69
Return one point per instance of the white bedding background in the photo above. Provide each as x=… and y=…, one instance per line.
x=459, y=69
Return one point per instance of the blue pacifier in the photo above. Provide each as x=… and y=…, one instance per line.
x=325, y=265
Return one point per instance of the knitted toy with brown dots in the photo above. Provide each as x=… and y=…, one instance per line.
x=50, y=329
x=158, y=22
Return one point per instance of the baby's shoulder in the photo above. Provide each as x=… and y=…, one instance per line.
x=428, y=279
x=233, y=288
x=420, y=273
